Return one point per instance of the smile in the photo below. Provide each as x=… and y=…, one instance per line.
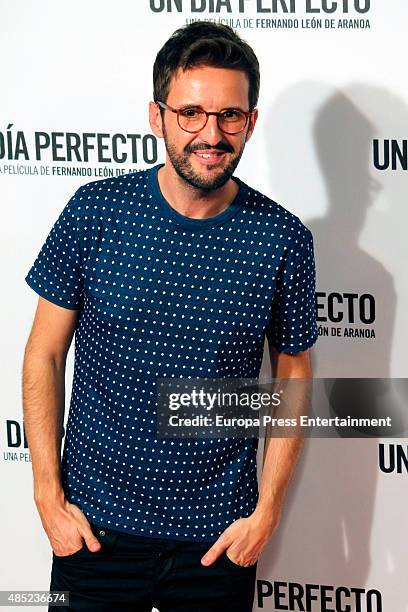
x=209, y=156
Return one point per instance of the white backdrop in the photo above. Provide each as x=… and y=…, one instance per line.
x=333, y=103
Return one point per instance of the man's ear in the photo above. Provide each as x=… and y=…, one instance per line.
x=155, y=119
x=252, y=121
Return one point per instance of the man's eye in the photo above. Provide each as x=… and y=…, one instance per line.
x=231, y=114
x=190, y=113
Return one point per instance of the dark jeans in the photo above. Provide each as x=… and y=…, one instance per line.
x=134, y=574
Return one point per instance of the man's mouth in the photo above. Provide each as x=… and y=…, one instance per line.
x=210, y=156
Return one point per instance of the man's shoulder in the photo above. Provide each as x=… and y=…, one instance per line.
x=107, y=197
x=111, y=188
x=270, y=211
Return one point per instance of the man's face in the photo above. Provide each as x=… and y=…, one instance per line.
x=207, y=159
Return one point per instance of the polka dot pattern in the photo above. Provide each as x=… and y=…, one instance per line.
x=163, y=295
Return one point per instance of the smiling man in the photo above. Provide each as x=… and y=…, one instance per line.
x=176, y=271
x=206, y=163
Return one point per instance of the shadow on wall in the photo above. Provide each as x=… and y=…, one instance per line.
x=319, y=149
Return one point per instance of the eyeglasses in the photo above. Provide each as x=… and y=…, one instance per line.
x=193, y=119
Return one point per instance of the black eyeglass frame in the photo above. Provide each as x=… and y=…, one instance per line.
x=178, y=111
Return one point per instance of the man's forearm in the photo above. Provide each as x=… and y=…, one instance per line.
x=280, y=458
x=43, y=406
x=281, y=454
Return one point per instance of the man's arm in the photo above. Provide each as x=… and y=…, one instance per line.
x=43, y=387
x=280, y=454
x=246, y=537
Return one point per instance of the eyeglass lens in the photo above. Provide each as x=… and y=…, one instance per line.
x=195, y=119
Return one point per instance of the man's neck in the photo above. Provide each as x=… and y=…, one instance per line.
x=190, y=201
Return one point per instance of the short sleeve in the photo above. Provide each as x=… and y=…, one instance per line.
x=56, y=273
x=293, y=324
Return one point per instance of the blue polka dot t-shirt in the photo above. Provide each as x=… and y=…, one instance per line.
x=162, y=295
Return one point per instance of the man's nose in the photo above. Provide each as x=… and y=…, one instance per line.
x=211, y=133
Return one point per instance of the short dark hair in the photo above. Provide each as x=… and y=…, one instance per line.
x=203, y=43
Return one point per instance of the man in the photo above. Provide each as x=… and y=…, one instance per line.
x=177, y=271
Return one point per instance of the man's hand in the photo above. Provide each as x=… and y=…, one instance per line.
x=66, y=527
x=244, y=539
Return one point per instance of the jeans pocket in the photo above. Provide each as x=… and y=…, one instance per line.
x=229, y=563
x=105, y=537
x=77, y=553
